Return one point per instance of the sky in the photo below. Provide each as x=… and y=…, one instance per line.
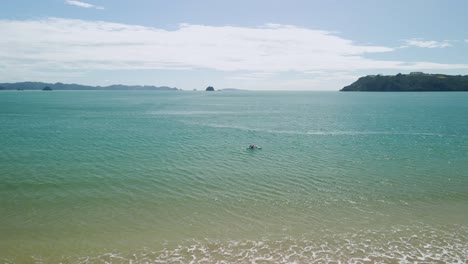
x=244, y=44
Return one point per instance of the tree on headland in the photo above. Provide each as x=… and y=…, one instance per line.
x=210, y=89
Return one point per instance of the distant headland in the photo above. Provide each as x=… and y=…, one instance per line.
x=62, y=86
x=413, y=82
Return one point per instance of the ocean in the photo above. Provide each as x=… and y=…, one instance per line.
x=157, y=177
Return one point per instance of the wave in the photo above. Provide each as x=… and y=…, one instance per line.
x=202, y=112
x=397, y=245
x=184, y=113
x=323, y=133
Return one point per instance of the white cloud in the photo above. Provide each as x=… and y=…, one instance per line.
x=82, y=4
x=251, y=76
x=427, y=43
x=66, y=44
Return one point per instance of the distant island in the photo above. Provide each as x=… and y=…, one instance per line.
x=62, y=86
x=413, y=82
x=210, y=89
x=231, y=90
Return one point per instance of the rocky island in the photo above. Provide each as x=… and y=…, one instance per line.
x=64, y=86
x=413, y=82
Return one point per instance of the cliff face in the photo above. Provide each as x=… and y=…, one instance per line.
x=413, y=82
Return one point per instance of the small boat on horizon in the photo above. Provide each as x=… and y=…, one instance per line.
x=253, y=146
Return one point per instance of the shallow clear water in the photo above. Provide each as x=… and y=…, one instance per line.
x=166, y=176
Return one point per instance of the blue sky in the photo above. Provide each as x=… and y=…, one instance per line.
x=256, y=45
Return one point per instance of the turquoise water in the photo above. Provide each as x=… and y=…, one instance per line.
x=166, y=177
